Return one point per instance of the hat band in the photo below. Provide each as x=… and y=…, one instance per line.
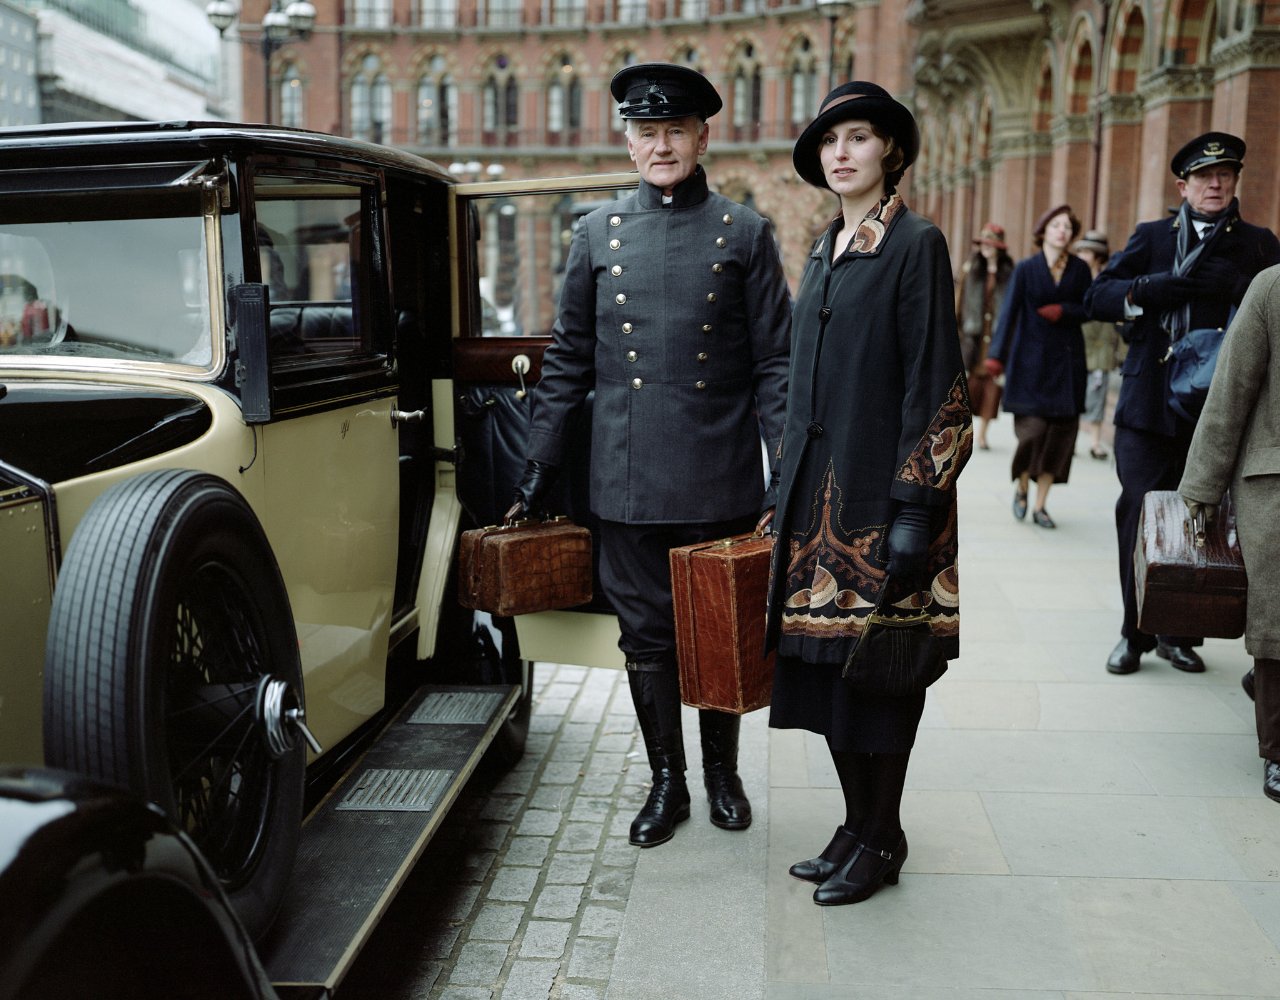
x=840, y=100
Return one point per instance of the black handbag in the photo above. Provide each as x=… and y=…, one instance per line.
x=895, y=656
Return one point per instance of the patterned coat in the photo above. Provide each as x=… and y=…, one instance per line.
x=1237, y=445
x=878, y=415
x=678, y=316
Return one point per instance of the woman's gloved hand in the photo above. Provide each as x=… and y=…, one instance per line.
x=1052, y=312
x=994, y=367
x=531, y=491
x=909, y=545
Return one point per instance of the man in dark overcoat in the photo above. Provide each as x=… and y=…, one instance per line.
x=674, y=309
x=1186, y=272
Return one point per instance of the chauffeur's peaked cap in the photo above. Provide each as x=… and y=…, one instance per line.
x=1206, y=151
x=663, y=90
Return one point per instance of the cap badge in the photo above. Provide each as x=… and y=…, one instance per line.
x=1213, y=149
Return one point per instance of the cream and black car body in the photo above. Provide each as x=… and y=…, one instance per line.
x=253, y=383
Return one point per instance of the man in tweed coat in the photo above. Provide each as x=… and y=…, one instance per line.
x=674, y=309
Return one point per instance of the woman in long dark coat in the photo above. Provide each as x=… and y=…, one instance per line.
x=1040, y=349
x=984, y=279
x=877, y=430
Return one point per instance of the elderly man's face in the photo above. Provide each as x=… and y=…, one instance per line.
x=666, y=151
x=1210, y=190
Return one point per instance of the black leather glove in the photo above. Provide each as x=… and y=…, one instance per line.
x=771, y=494
x=1164, y=290
x=909, y=545
x=532, y=490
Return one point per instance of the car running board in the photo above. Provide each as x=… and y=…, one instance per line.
x=360, y=844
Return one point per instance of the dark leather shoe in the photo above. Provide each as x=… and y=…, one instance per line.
x=730, y=809
x=822, y=867
x=1271, y=780
x=1246, y=682
x=667, y=805
x=858, y=878
x=1042, y=518
x=1019, y=504
x=1182, y=657
x=1124, y=659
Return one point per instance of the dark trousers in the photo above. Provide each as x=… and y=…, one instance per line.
x=1144, y=462
x=635, y=574
x=1266, y=706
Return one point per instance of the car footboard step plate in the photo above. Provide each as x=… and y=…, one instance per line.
x=361, y=842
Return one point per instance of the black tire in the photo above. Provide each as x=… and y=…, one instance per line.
x=169, y=621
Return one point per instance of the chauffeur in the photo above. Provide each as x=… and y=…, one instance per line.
x=674, y=309
x=1174, y=275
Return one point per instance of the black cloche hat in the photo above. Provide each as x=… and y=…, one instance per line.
x=1207, y=150
x=663, y=90
x=856, y=99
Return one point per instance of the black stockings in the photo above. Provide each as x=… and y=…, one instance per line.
x=872, y=784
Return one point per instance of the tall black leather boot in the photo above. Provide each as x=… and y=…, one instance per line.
x=655, y=691
x=730, y=809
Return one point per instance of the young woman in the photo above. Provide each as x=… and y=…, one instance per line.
x=1039, y=348
x=1101, y=341
x=877, y=430
x=984, y=279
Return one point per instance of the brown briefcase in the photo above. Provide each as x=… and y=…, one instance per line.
x=525, y=567
x=1190, y=579
x=720, y=590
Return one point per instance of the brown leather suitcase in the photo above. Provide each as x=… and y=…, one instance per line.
x=525, y=567
x=1188, y=583
x=720, y=590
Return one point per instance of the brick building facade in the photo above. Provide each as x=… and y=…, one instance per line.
x=1021, y=103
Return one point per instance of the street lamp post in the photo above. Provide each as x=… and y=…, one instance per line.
x=831, y=10
x=284, y=22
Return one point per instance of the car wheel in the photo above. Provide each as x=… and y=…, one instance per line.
x=172, y=669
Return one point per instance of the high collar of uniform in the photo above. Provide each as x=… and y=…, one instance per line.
x=691, y=191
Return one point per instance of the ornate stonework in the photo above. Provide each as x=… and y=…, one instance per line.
x=1176, y=83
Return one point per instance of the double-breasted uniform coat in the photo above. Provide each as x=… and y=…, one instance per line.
x=678, y=316
x=878, y=415
x=1237, y=445
x=1151, y=441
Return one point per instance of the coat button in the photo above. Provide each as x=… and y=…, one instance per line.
x=627, y=327
x=614, y=244
x=717, y=268
x=721, y=242
x=706, y=327
x=814, y=430
x=632, y=355
x=728, y=220
x=615, y=220
x=616, y=270
x=636, y=383
x=620, y=299
x=711, y=296
x=702, y=355
x=699, y=384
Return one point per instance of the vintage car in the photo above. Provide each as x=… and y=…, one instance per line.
x=106, y=887
x=253, y=383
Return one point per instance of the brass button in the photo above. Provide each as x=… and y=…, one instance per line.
x=616, y=220
x=614, y=244
x=636, y=383
x=711, y=296
x=632, y=355
x=706, y=327
x=620, y=299
x=717, y=268
x=627, y=328
x=721, y=242
x=699, y=384
x=616, y=270
x=728, y=220
x=702, y=356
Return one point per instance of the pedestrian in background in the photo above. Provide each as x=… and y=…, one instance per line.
x=1101, y=339
x=675, y=310
x=984, y=278
x=1236, y=445
x=1039, y=348
x=1174, y=275
x=877, y=431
